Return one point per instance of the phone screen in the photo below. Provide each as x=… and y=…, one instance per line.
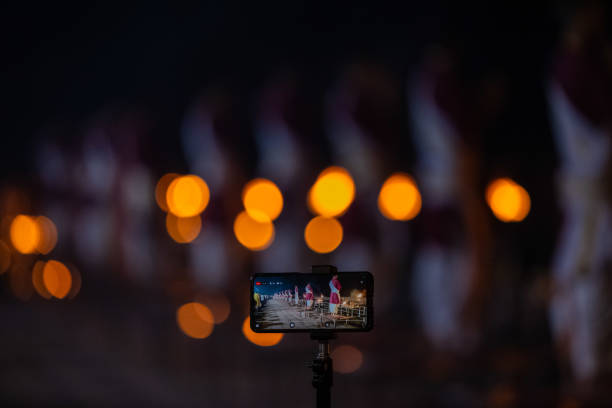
x=286, y=302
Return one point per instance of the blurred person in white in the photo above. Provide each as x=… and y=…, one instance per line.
x=450, y=266
x=95, y=171
x=360, y=124
x=580, y=101
x=282, y=129
x=210, y=134
x=113, y=187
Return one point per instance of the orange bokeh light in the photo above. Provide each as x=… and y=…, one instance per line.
x=195, y=320
x=48, y=235
x=219, y=306
x=347, y=359
x=187, y=196
x=161, y=188
x=262, y=196
x=254, y=233
x=332, y=193
x=323, y=234
x=399, y=198
x=260, y=339
x=25, y=234
x=183, y=230
x=37, y=280
x=508, y=200
x=57, y=279
x=5, y=257
x=77, y=281
x=20, y=282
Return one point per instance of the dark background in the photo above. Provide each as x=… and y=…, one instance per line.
x=117, y=343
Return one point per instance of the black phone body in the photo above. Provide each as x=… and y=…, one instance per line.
x=312, y=302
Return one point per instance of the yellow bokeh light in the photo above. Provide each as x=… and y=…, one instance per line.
x=399, y=198
x=57, y=279
x=48, y=235
x=37, y=280
x=323, y=234
x=5, y=257
x=254, y=233
x=195, y=320
x=25, y=234
x=347, y=359
x=332, y=193
x=509, y=201
x=183, y=230
x=187, y=196
x=162, y=188
x=260, y=339
x=262, y=196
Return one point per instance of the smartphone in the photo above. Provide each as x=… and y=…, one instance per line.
x=312, y=302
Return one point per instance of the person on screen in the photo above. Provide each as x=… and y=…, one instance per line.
x=257, y=299
x=334, y=297
x=308, y=296
x=296, y=296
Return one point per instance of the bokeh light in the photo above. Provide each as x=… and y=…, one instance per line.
x=5, y=257
x=20, y=282
x=509, y=201
x=323, y=234
x=57, y=279
x=48, y=235
x=347, y=359
x=37, y=280
x=162, y=188
x=399, y=198
x=254, y=233
x=332, y=193
x=77, y=281
x=219, y=306
x=183, y=229
x=25, y=234
x=262, y=196
x=195, y=320
x=260, y=339
x=187, y=196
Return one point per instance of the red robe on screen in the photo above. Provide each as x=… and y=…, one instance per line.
x=334, y=297
x=308, y=296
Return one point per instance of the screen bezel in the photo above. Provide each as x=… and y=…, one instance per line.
x=369, y=285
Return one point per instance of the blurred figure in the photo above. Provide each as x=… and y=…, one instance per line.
x=283, y=135
x=580, y=99
x=95, y=174
x=360, y=124
x=451, y=265
x=134, y=188
x=211, y=135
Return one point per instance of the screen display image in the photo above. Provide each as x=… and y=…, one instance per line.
x=307, y=302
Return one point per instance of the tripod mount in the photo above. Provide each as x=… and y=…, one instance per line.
x=322, y=364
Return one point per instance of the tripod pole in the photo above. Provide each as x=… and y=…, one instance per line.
x=322, y=367
x=322, y=374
